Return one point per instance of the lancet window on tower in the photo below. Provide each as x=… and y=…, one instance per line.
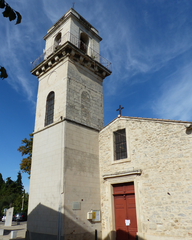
x=84, y=41
x=57, y=41
x=49, y=108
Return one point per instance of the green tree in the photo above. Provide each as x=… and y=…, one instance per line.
x=26, y=199
x=13, y=195
x=26, y=149
x=12, y=15
x=2, y=186
x=2, y=183
x=21, y=201
x=8, y=195
x=10, y=187
x=8, y=183
x=19, y=184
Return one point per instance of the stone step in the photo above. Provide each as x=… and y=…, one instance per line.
x=19, y=229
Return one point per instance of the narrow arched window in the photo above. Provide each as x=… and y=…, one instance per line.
x=49, y=108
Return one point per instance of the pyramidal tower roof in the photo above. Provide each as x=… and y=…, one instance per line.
x=74, y=14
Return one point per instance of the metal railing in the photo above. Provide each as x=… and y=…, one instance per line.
x=69, y=37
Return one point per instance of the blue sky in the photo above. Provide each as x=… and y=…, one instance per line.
x=149, y=43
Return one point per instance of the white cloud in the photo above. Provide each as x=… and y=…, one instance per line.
x=55, y=9
x=145, y=46
x=16, y=54
x=175, y=99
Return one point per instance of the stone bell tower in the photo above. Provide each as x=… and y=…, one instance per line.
x=65, y=182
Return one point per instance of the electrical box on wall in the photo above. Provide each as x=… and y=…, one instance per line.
x=89, y=216
x=94, y=216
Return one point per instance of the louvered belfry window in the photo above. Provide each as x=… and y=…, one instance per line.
x=120, y=144
x=49, y=108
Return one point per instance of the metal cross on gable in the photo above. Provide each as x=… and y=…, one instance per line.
x=73, y=5
x=119, y=109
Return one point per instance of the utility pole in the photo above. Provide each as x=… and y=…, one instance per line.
x=22, y=202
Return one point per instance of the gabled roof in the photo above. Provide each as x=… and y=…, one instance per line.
x=145, y=119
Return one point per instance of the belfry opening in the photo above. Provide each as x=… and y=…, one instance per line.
x=84, y=42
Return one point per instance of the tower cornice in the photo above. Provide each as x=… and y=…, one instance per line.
x=75, y=54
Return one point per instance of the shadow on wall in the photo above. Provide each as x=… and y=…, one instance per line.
x=47, y=224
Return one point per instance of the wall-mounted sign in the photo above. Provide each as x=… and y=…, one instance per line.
x=127, y=222
x=96, y=216
x=76, y=205
x=9, y=216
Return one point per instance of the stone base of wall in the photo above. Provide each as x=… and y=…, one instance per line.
x=41, y=236
x=152, y=237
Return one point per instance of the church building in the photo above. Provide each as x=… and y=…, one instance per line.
x=128, y=180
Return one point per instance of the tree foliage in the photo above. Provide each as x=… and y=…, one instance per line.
x=26, y=149
x=10, y=12
x=3, y=72
x=11, y=194
x=12, y=15
x=19, y=185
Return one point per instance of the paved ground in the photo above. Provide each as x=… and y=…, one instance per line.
x=21, y=229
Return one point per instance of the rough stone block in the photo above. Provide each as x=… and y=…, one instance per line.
x=13, y=234
x=1, y=232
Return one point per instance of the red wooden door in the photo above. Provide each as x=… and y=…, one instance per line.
x=125, y=211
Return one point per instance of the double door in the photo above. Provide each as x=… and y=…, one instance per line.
x=125, y=211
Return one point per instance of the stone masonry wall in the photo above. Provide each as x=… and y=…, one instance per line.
x=81, y=83
x=163, y=191
x=56, y=81
x=77, y=27
x=81, y=172
x=63, y=29
x=46, y=181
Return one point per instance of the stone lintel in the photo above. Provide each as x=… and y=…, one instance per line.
x=122, y=174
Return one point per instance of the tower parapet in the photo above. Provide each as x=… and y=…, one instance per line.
x=72, y=36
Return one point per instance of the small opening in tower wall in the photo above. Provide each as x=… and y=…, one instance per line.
x=84, y=41
x=57, y=41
